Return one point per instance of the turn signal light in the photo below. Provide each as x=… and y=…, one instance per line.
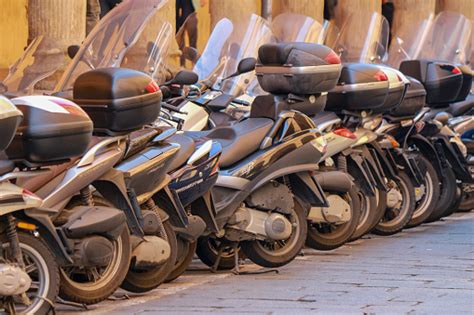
x=394, y=142
x=26, y=226
x=343, y=132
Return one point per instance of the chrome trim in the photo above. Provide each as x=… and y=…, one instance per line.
x=360, y=87
x=24, y=174
x=89, y=157
x=233, y=182
x=297, y=70
x=199, y=153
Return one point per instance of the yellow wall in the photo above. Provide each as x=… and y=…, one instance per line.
x=13, y=30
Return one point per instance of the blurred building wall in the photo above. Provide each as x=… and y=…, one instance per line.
x=13, y=30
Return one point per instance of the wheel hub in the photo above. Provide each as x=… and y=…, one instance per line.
x=394, y=198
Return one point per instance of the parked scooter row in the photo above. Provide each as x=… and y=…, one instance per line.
x=98, y=194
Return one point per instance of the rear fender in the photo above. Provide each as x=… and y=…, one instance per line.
x=308, y=190
x=361, y=169
x=204, y=208
x=385, y=159
x=45, y=227
x=168, y=200
x=455, y=158
x=428, y=150
x=113, y=188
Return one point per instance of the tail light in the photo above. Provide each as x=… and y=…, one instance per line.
x=152, y=87
x=332, y=58
x=455, y=70
x=343, y=132
x=381, y=76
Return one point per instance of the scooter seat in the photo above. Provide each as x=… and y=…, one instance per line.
x=6, y=166
x=187, y=147
x=237, y=141
x=460, y=108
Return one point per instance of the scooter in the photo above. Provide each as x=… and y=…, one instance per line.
x=28, y=270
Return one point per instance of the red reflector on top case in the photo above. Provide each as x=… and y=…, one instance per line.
x=381, y=76
x=456, y=70
x=152, y=87
x=332, y=58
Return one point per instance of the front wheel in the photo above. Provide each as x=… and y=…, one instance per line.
x=400, y=206
x=42, y=268
x=271, y=253
x=328, y=236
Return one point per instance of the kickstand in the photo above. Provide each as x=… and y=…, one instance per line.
x=73, y=304
x=119, y=298
x=236, y=269
x=218, y=260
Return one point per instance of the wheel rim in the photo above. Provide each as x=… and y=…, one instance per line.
x=426, y=198
x=37, y=268
x=394, y=216
x=94, y=278
x=364, y=215
x=282, y=247
x=331, y=230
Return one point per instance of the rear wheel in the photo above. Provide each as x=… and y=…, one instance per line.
x=139, y=281
x=41, y=267
x=327, y=236
x=400, y=206
x=277, y=253
x=208, y=248
x=447, y=195
x=426, y=195
x=186, y=251
x=94, y=284
x=368, y=215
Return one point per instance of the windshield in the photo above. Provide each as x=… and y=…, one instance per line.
x=110, y=40
x=150, y=51
x=40, y=60
x=211, y=59
x=290, y=27
x=407, y=42
x=363, y=40
x=449, y=39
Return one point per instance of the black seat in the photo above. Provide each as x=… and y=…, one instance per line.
x=187, y=148
x=460, y=108
x=6, y=166
x=238, y=140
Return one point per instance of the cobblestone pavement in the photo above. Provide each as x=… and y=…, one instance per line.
x=426, y=270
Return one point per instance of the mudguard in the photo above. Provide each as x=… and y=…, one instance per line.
x=168, y=200
x=359, y=168
x=455, y=158
x=410, y=166
x=385, y=160
x=374, y=166
x=428, y=150
x=42, y=219
x=204, y=208
x=307, y=189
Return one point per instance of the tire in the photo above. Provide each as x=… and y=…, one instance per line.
x=323, y=237
x=426, y=205
x=368, y=215
x=144, y=281
x=447, y=195
x=74, y=287
x=36, y=252
x=260, y=253
x=381, y=207
x=184, y=259
x=207, y=250
x=391, y=225
x=466, y=202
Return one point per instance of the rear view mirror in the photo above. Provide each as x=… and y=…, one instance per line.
x=184, y=77
x=72, y=51
x=246, y=65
